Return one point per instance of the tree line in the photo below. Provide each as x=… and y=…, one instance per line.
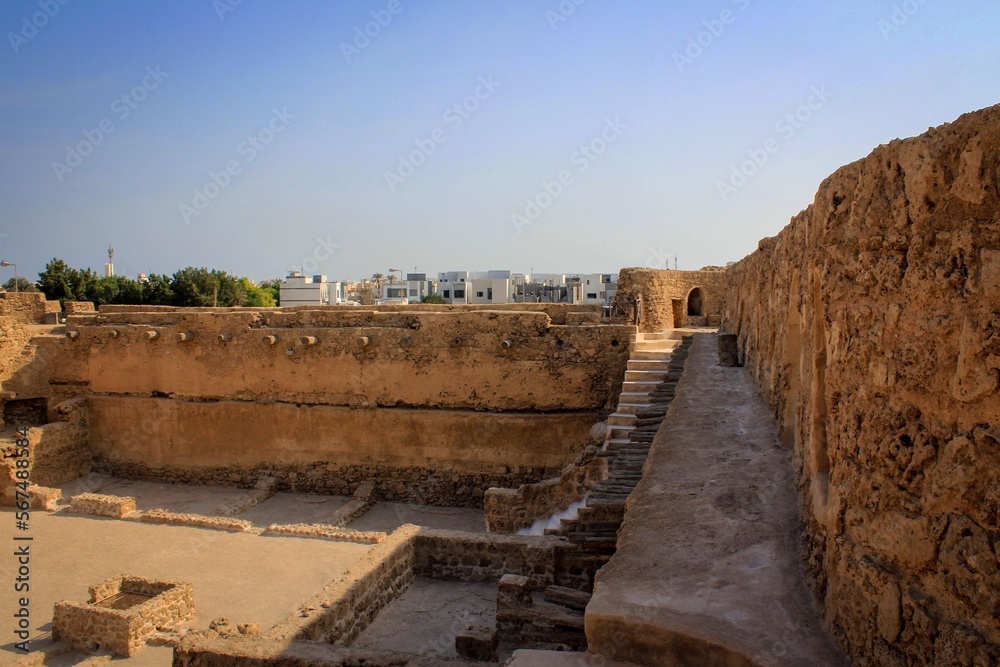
x=190, y=287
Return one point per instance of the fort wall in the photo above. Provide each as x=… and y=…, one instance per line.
x=872, y=326
x=674, y=299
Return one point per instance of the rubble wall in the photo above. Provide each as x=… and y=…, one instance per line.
x=872, y=326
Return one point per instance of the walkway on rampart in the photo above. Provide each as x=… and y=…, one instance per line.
x=707, y=570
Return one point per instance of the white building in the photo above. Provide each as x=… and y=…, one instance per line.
x=453, y=286
x=418, y=287
x=490, y=287
x=598, y=288
x=300, y=290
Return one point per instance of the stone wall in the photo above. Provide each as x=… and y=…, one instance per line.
x=443, y=457
x=345, y=607
x=93, y=626
x=58, y=452
x=28, y=307
x=459, y=556
x=482, y=360
x=667, y=295
x=872, y=325
x=509, y=510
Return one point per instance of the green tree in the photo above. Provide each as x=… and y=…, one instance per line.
x=433, y=298
x=254, y=296
x=273, y=287
x=199, y=287
x=157, y=291
x=56, y=281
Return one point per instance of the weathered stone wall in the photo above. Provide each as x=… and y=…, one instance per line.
x=122, y=631
x=78, y=307
x=509, y=510
x=57, y=452
x=872, y=325
x=345, y=607
x=666, y=294
x=484, y=360
x=444, y=457
x=459, y=556
x=28, y=307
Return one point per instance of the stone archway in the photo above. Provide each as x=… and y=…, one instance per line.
x=696, y=303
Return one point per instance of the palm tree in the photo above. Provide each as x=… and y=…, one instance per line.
x=377, y=278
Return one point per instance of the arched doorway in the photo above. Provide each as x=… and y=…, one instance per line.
x=696, y=303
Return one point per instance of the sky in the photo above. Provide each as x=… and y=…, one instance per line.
x=353, y=137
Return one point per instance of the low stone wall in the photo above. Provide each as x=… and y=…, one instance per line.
x=509, y=510
x=457, y=556
x=196, y=520
x=96, y=504
x=325, y=532
x=28, y=307
x=207, y=649
x=345, y=607
x=91, y=626
x=78, y=308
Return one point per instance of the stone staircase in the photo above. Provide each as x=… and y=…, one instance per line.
x=642, y=408
x=648, y=365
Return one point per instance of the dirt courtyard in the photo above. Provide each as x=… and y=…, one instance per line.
x=245, y=577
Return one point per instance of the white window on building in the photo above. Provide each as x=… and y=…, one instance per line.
x=591, y=295
x=460, y=293
x=479, y=295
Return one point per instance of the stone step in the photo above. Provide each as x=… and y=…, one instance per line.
x=635, y=398
x=640, y=376
x=621, y=419
x=648, y=365
x=661, y=335
x=633, y=386
x=654, y=345
x=650, y=355
x=619, y=432
x=632, y=408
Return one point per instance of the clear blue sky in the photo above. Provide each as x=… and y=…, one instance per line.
x=677, y=128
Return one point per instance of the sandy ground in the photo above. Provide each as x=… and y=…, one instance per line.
x=426, y=619
x=387, y=517
x=246, y=578
x=294, y=508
